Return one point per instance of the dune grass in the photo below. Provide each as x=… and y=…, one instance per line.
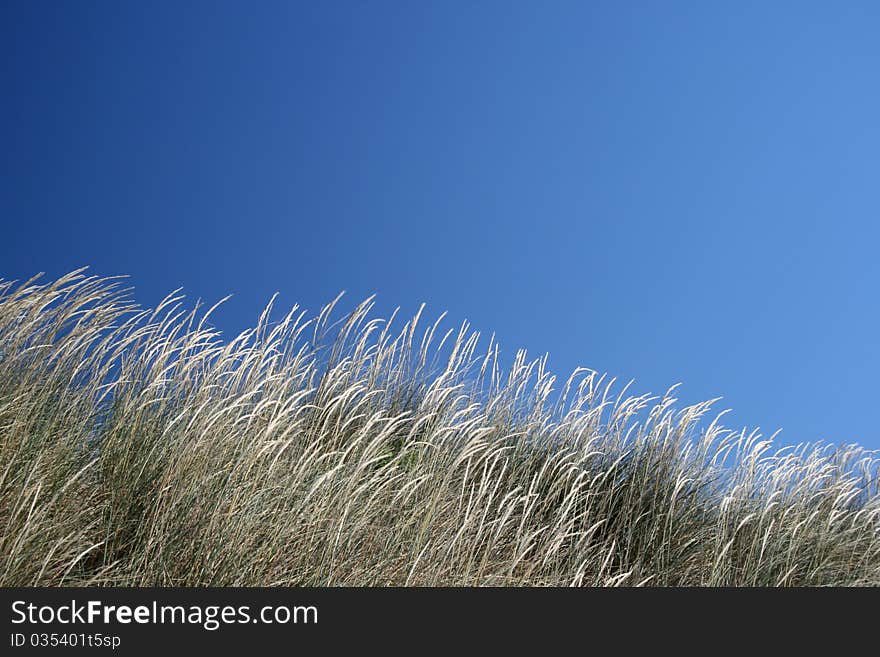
x=139, y=447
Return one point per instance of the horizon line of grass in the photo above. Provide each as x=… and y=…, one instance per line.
x=140, y=448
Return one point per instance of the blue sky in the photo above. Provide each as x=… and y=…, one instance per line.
x=667, y=191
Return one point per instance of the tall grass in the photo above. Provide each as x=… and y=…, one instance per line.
x=137, y=447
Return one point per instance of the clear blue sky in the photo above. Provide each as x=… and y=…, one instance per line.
x=666, y=191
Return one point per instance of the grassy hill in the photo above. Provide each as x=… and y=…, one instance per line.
x=139, y=447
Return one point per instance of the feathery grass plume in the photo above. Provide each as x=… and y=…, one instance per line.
x=138, y=447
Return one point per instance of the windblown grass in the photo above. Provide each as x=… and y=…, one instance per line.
x=139, y=448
